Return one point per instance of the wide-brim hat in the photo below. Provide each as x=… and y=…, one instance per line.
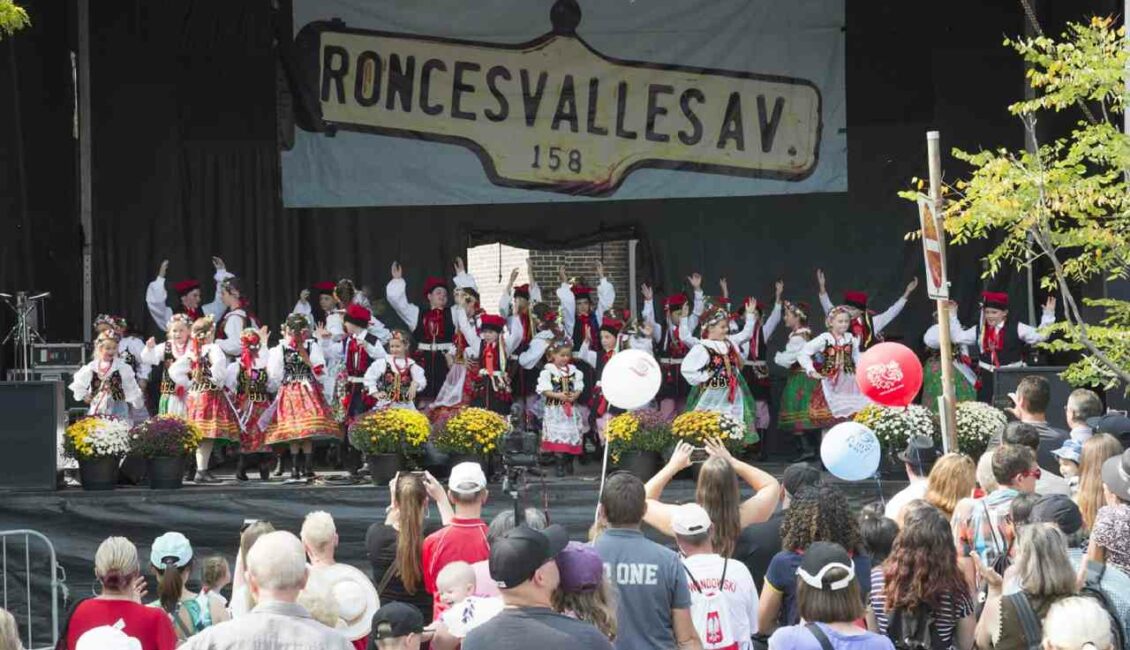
x=1116, y=475
x=352, y=592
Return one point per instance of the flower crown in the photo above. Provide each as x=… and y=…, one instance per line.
x=716, y=314
x=836, y=311
x=183, y=319
x=798, y=308
x=297, y=322
x=115, y=322
x=106, y=337
x=205, y=326
x=250, y=337
x=402, y=337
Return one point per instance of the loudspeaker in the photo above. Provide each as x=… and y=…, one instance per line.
x=1005, y=381
x=31, y=432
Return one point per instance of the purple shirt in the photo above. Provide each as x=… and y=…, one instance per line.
x=797, y=637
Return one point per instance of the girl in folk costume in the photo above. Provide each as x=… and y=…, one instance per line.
x=803, y=395
x=352, y=356
x=517, y=306
x=248, y=381
x=755, y=367
x=165, y=355
x=189, y=295
x=299, y=415
x=671, y=349
x=203, y=371
x=131, y=350
x=965, y=379
x=838, y=353
x=1001, y=341
x=865, y=326
x=560, y=385
x=457, y=390
x=713, y=369
x=396, y=379
x=489, y=349
x=533, y=359
x=107, y=383
x=237, y=318
x=433, y=329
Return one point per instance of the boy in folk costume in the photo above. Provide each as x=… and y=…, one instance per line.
x=189, y=297
x=299, y=415
x=131, y=350
x=107, y=383
x=1000, y=340
x=248, y=381
x=560, y=385
x=802, y=395
x=713, y=369
x=490, y=350
x=865, y=326
x=965, y=378
x=433, y=329
x=165, y=355
x=237, y=318
x=838, y=353
x=395, y=380
x=533, y=358
x=352, y=356
x=203, y=371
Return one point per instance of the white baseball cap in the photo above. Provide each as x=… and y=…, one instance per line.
x=467, y=478
x=690, y=519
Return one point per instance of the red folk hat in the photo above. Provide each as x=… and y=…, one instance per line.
x=611, y=325
x=433, y=283
x=492, y=322
x=674, y=302
x=185, y=286
x=994, y=300
x=857, y=299
x=326, y=288
x=581, y=292
x=522, y=291
x=358, y=315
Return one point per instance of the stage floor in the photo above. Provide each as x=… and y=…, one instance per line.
x=210, y=516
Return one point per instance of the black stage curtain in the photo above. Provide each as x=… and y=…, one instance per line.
x=186, y=167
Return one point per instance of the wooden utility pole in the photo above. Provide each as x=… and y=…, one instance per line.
x=946, y=408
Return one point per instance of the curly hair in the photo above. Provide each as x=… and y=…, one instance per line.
x=922, y=566
x=820, y=514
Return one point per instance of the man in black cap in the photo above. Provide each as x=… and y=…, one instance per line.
x=522, y=563
x=758, y=543
x=397, y=626
x=918, y=458
x=1115, y=424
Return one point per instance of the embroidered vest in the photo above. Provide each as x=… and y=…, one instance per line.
x=252, y=385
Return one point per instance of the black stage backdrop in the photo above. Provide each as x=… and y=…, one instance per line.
x=186, y=166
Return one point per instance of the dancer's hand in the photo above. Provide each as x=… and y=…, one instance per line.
x=561, y=275
x=646, y=292
x=779, y=287
x=681, y=456
x=600, y=270
x=219, y=264
x=695, y=280
x=724, y=286
x=304, y=295
x=459, y=266
x=513, y=277
x=820, y=281
x=1049, y=305
x=163, y=268
x=396, y=271
x=910, y=287
x=264, y=334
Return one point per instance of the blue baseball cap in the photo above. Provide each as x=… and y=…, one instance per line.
x=171, y=546
x=1071, y=450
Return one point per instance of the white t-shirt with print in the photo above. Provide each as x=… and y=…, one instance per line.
x=739, y=592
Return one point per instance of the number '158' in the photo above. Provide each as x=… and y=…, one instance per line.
x=552, y=158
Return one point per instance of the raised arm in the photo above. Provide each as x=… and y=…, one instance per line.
x=1032, y=335
x=647, y=312
x=767, y=491
x=463, y=279
x=822, y=289
x=658, y=514
x=216, y=308
x=568, y=304
x=885, y=318
x=303, y=304
x=746, y=333
x=587, y=354
x=156, y=297
x=695, y=280
x=605, y=292
x=774, y=318
x=395, y=292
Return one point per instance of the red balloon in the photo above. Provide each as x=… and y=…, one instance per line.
x=889, y=374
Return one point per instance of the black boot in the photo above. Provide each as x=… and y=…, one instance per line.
x=803, y=448
x=240, y=468
x=814, y=438
x=559, y=460
x=308, y=465
x=569, y=458
x=279, y=467
x=296, y=466
x=264, y=467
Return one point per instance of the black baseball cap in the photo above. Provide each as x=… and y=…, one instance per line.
x=818, y=558
x=521, y=551
x=799, y=476
x=395, y=620
x=1060, y=510
x=920, y=453
x=1115, y=424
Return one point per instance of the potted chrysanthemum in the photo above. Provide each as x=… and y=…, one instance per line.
x=977, y=423
x=165, y=442
x=636, y=441
x=388, y=437
x=98, y=443
x=894, y=425
x=471, y=434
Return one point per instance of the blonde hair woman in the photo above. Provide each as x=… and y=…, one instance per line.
x=952, y=479
x=1090, y=497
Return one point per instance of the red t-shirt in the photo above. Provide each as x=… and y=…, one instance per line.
x=150, y=625
x=465, y=540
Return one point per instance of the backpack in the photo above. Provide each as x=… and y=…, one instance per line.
x=710, y=615
x=914, y=629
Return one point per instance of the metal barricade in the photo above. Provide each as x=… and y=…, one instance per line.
x=52, y=583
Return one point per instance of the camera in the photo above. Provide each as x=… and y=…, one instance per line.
x=519, y=446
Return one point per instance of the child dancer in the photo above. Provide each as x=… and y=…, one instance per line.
x=671, y=349
x=713, y=369
x=396, y=379
x=755, y=368
x=610, y=344
x=203, y=371
x=131, y=350
x=247, y=379
x=237, y=317
x=965, y=377
x=864, y=326
x=458, y=385
x=839, y=350
x=533, y=359
x=1001, y=341
x=353, y=356
x=107, y=383
x=433, y=328
x=802, y=395
x=560, y=385
x=489, y=351
x=188, y=292
x=165, y=355
x=299, y=415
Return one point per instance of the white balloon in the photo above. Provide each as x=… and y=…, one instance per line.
x=851, y=451
x=631, y=379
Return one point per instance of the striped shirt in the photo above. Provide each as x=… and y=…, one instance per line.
x=952, y=609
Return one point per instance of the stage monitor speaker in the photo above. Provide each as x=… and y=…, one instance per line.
x=32, y=430
x=1005, y=381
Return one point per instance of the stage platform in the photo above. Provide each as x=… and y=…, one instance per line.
x=210, y=516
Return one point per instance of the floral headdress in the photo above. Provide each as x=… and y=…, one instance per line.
x=114, y=322
x=798, y=309
x=836, y=311
x=559, y=344
x=107, y=336
x=403, y=337
x=715, y=315
x=203, y=327
x=182, y=318
x=297, y=323
x=250, y=341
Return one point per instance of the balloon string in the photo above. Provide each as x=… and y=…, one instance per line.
x=879, y=486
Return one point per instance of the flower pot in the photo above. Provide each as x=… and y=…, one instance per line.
x=99, y=473
x=644, y=464
x=383, y=467
x=165, y=472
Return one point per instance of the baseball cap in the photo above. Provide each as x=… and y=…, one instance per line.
x=818, y=559
x=395, y=620
x=799, y=476
x=521, y=551
x=467, y=478
x=1060, y=510
x=1071, y=450
x=1115, y=424
x=690, y=519
x=581, y=568
x=919, y=453
x=171, y=545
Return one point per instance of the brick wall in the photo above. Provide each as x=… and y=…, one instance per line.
x=483, y=263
